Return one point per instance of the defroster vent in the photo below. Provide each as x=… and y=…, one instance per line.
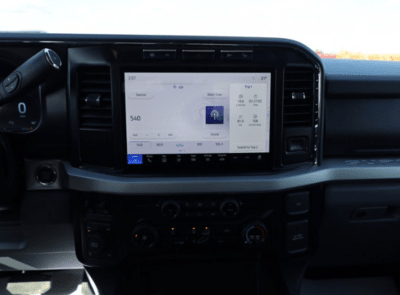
x=299, y=95
x=94, y=90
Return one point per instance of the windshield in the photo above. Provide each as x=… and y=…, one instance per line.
x=333, y=29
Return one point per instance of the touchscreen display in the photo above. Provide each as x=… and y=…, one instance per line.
x=197, y=113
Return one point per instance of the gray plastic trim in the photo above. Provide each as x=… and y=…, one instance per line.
x=331, y=170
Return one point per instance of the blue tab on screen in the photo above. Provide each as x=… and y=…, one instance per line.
x=135, y=159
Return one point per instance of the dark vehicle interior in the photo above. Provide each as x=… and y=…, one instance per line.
x=152, y=165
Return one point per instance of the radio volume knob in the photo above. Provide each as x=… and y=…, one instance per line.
x=170, y=209
x=144, y=236
x=229, y=208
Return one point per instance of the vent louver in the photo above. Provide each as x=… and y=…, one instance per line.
x=299, y=92
x=94, y=92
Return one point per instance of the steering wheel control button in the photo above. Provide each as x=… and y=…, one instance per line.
x=12, y=86
x=10, y=79
x=297, y=236
x=46, y=175
x=297, y=203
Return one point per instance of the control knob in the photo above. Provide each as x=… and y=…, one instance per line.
x=170, y=209
x=229, y=208
x=254, y=234
x=144, y=236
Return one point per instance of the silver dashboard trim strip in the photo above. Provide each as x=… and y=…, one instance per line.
x=331, y=170
x=319, y=131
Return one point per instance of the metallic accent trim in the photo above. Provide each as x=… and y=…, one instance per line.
x=92, y=284
x=49, y=60
x=331, y=170
x=46, y=166
x=319, y=114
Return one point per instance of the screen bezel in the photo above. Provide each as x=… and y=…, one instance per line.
x=265, y=165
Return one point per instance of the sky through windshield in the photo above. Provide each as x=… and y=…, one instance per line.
x=329, y=26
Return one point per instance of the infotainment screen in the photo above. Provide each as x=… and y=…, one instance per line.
x=197, y=113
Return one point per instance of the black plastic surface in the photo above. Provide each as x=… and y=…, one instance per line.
x=47, y=228
x=198, y=54
x=361, y=107
x=11, y=236
x=359, y=242
x=362, y=126
x=347, y=79
x=96, y=147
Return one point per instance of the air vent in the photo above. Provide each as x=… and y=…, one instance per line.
x=299, y=95
x=94, y=92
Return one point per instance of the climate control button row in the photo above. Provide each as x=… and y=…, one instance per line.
x=172, y=209
x=146, y=236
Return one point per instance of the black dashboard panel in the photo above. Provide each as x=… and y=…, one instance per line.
x=117, y=52
x=347, y=79
x=287, y=205
x=346, y=136
x=361, y=108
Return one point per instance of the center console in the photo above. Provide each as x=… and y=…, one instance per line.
x=244, y=108
x=113, y=229
x=142, y=113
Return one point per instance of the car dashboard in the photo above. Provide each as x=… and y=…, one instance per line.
x=162, y=164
